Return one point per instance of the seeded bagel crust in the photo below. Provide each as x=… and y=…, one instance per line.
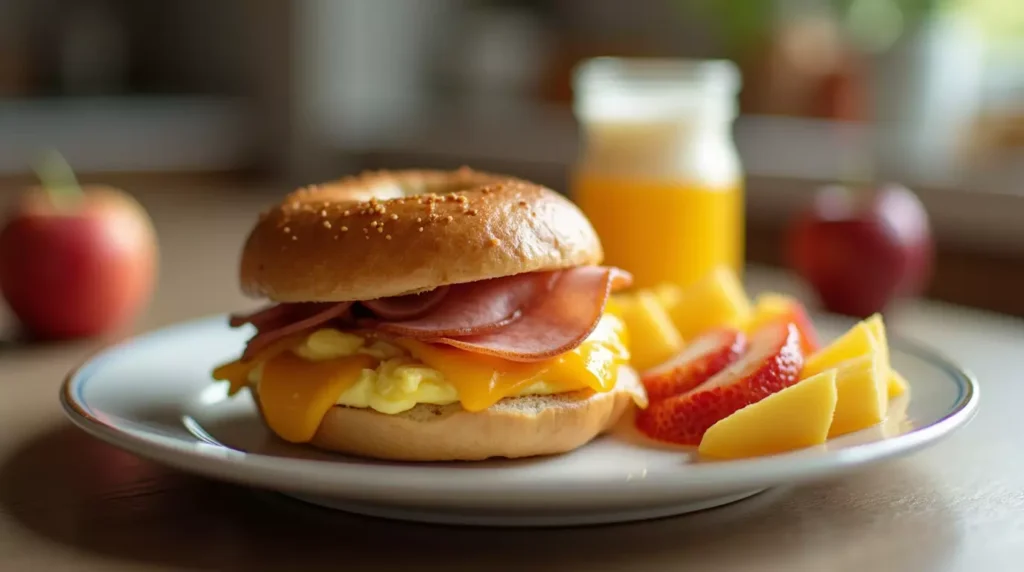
x=392, y=233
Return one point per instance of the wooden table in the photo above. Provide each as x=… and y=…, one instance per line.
x=69, y=502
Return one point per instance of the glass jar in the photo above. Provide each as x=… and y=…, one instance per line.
x=658, y=174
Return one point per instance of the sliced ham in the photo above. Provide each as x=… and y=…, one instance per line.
x=261, y=318
x=554, y=323
x=476, y=308
x=299, y=317
x=406, y=307
x=526, y=317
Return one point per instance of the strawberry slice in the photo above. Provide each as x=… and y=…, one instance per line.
x=772, y=307
x=699, y=360
x=772, y=362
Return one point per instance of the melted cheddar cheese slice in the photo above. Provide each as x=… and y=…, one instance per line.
x=237, y=373
x=482, y=381
x=296, y=392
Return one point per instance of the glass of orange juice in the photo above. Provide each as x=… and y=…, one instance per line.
x=658, y=174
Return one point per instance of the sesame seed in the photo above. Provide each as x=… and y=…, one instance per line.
x=323, y=212
x=394, y=217
x=387, y=236
x=373, y=224
x=347, y=212
x=367, y=237
x=327, y=224
x=421, y=229
x=450, y=218
x=380, y=229
x=419, y=219
x=294, y=237
x=344, y=229
x=287, y=230
x=493, y=241
x=365, y=230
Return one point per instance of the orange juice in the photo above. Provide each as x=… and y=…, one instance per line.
x=664, y=231
x=658, y=174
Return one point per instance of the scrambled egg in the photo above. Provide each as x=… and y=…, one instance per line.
x=399, y=382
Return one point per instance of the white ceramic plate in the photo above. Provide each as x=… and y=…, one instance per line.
x=153, y=395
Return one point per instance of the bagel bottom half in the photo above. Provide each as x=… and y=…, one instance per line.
x=524, y=426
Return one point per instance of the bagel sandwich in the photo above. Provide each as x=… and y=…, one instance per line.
x=432, y=316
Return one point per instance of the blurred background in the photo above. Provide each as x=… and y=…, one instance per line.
x=265, y=95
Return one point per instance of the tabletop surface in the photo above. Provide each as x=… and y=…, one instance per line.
x=70, y=502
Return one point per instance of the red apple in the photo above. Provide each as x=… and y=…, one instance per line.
x=860, y=248
x=79, y=263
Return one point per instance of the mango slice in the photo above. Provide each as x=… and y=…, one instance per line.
x=793, y=418
x=652, y=337
x=716, y=301
x=858, y=341
x=669, y=296
x=863, y=389
x=897, y=384
x=877, y=326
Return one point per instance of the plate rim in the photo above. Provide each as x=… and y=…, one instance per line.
x=326, y=476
